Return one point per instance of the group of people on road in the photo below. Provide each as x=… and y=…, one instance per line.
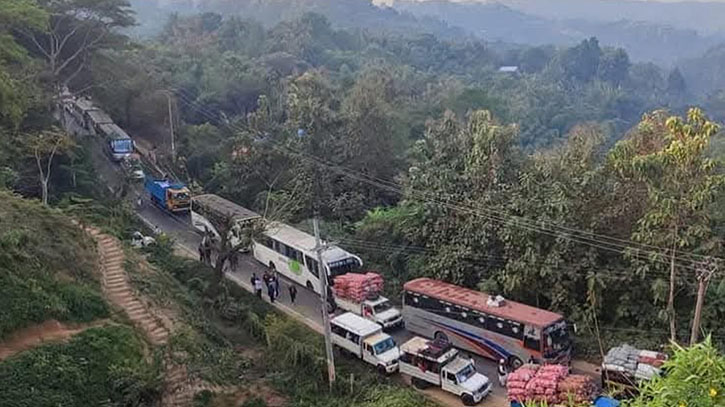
x=504, y=368
x=271, y=282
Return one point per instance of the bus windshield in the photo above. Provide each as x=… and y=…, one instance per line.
x=557, y=337
x=122, y=145
x=344, y=266
x=384, y=346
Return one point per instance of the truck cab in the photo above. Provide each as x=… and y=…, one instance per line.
x=378, y=310
x=437, y=363
x=366, y=340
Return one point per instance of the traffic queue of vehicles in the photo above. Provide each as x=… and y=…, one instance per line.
x=489, y=326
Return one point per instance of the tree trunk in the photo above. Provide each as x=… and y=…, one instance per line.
x=44, y=191
x=671, y=299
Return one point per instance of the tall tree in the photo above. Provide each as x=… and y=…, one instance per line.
x=14, y=94
x=76, y=29
x=44, y=146
x=667, y=154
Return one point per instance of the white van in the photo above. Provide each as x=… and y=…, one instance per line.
x=366, y=340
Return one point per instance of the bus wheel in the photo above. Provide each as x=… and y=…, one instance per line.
x=418, y=383
x=515, y=362
x=309, y=286
x=467, y=400
x=440, y=336
x=272, y=266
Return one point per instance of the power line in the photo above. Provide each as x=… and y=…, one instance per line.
x=487, y=213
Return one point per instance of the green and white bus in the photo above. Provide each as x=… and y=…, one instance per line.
x=291, y=252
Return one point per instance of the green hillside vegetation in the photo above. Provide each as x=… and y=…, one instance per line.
x=100, y=366
x=47, y=267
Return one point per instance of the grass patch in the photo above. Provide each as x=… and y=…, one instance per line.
x=101, y=366
x=47, y=267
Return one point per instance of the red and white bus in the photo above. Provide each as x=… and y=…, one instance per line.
x=489, y=326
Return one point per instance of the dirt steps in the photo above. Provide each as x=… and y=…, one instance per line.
x=179, y=388
x=119, y=291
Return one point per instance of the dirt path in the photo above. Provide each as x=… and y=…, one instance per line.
x=48, y=331
x=119, y=291
x=179, y=388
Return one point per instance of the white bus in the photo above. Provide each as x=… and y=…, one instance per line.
x=291, y=252
x=211, y=213
x=489, y=326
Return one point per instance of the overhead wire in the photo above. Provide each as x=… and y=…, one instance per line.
x=389, y=186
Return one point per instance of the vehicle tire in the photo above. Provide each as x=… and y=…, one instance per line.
x=309, y=286
x=440, y=336
x=515, y=362
x=467, y=400
x=272, y=266
x=381, y=370
x=418, y=383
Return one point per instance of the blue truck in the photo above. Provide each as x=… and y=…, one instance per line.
x=168, y=195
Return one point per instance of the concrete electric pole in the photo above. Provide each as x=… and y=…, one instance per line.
x=705, y=271
x=322, y=272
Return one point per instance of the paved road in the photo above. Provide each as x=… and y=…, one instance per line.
x=307, y=305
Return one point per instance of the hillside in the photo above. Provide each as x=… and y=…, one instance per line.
x=649, y=40
x=47, y=268
x=48, y=273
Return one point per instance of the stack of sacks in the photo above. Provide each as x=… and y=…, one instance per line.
x=358, y=287
x=543, y=387
x=622, y=359
x=577, y=388
x=517, y=381
x=634, y=362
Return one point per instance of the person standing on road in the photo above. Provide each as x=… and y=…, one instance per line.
x=254, y=279
x=275, y=284
x=292, y=293
x=270, y=292
x=258, y=287
x=503, y=372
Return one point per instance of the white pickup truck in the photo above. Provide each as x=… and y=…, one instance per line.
x=378, y=310
x=437, y=363
x=366, y=340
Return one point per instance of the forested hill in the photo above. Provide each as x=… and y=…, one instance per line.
x=645, y=40
x=343, y=13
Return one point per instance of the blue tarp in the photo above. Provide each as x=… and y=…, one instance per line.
x=606, y=402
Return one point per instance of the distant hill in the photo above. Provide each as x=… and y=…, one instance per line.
x=705, y=17
x=151, y=14
x=644, y=41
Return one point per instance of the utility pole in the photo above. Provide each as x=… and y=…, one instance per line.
x=322, y=272
x=171, y=126
x=704, y=273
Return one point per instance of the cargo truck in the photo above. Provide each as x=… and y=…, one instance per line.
x=360, y=294
x=365, y=340
x=171, y=196
x=438, y=363
x=378, y=310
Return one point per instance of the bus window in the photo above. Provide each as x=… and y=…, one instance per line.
x=532, y=339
